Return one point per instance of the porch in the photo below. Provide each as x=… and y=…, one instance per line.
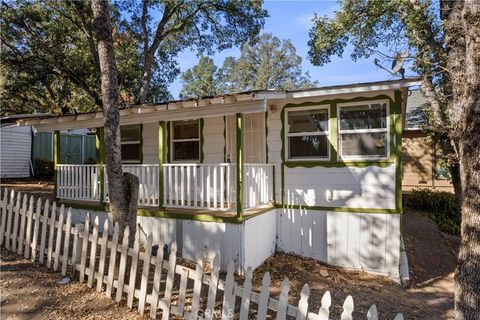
x=190, y=188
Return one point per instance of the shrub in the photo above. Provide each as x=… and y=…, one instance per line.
x=441, y=207
x=44, y=168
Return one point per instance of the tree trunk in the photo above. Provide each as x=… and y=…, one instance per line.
x=147, y=77
x=466, y=123
x=123, y=187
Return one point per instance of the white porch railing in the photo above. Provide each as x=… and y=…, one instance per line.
x=185, y=185
x=78, y=182
x=257, y=185
x=201, y=186
x=148, y=183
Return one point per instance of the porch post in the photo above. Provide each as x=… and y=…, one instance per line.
x=239, y=124
x=162, y=144
x=100, y=146
x=56, y=159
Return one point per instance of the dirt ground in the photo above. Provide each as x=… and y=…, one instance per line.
x=31, y=291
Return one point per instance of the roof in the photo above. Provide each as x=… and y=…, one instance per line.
x=415, y=116
x=221, y=105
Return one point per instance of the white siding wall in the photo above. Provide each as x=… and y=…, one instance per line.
x=353, y=187
x=213, y=140
x=274, y=143
x=15, y=152
x=364, y=241
x=202, y=239
x=260, y=238
x=150, y=143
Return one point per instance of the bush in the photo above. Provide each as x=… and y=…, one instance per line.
x=440, y=205
x=44, y=168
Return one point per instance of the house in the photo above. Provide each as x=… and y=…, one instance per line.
x=15, y=150
x=423, y=166
x=316, y=172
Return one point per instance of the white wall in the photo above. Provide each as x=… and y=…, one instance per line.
x=260, y=238
x=364, y=241
x=274, y=143
x=15, y=151
x=150, y=143
x=213, y=140
x=352, y=187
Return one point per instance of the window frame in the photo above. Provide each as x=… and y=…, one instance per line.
x=326, y=133
x=173, y=140
x=385, y=130
x=139, y=142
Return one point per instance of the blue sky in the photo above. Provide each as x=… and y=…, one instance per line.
x=292, y=20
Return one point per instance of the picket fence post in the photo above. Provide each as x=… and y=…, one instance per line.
x=113, y=257
x=103, y=253
x=36, y=227
x=157, y=276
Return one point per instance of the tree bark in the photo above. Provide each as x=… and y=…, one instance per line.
x=123, y=187
x=466, y=123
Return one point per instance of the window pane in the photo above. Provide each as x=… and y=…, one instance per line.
x=185, y=130
x=364, y=144
x=308, y=121
x=130, y=133
x=188, y=150
x=363, y=117
x=308, y=147
x=131, y=152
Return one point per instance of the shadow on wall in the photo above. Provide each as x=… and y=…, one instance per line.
x=352, y=187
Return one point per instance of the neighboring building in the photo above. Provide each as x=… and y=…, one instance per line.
x=320, y=173
x=422, y=163
x=15, y=150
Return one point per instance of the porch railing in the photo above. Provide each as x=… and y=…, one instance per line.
x=185, y=185
x=78, y=182
x=201, y=186
x=257, y=185
x=148, y=188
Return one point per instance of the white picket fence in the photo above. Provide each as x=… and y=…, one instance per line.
x=44, y=233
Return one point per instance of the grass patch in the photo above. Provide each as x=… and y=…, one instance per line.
x=439, y=205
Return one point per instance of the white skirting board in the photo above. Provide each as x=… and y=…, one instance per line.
x=366, y=241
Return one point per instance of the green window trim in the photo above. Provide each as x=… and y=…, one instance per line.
x=140, y=142
x=201, y=139
x=395, y=136
x=387, y=130
x=317, y=106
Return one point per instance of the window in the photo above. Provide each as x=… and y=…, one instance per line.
x=308, y=133
x=363, y=131
x=185, y=140
x=131, y=144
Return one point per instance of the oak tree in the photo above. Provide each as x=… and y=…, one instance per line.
x=444, y=41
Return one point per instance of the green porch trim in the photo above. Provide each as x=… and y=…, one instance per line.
x=162, y=127
x=201, y=156
x=340, y=209
x=224, y=139
x=169, y=142
x=100, y=146
x=239, y=125
x=398, y=124
x=141, y=143
x=166, y=213
x=266, y=137
x=56, y=159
